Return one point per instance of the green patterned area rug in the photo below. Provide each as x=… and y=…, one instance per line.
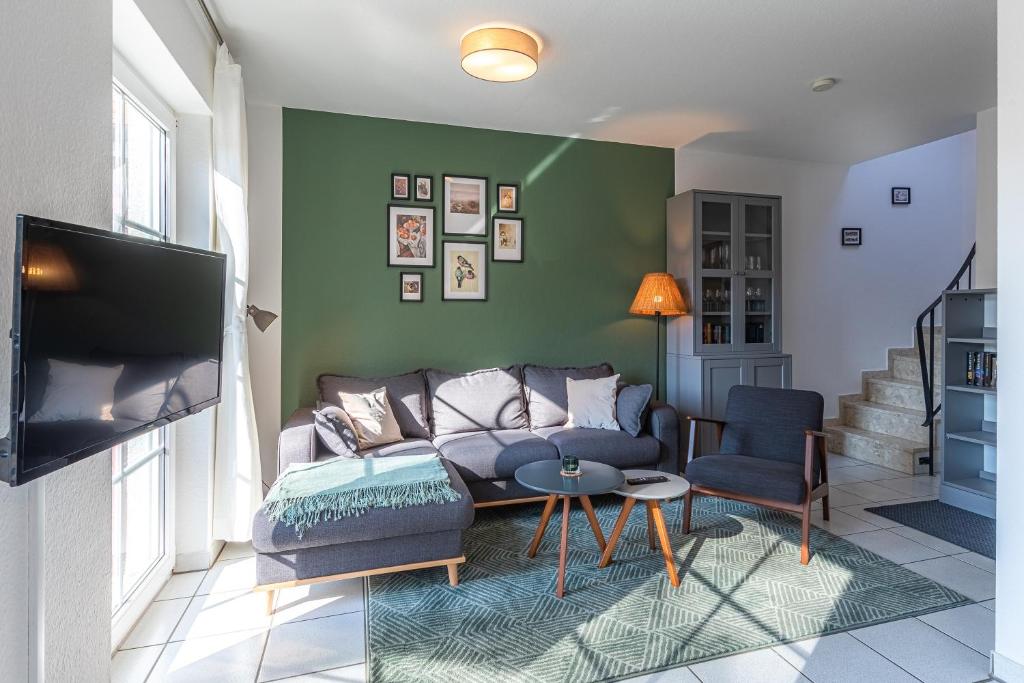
x=743, y=588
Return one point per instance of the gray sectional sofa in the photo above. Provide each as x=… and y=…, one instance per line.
x=489, y=422
x=483, y=425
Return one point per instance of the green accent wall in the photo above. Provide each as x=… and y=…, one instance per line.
x=595, y=223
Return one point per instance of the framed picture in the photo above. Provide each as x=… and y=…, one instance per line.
x=410, y=236
x=851, y=237
x=508, y=198
x=901, y=195
x=465, y=206
x=400, y=186
x=507, y=239
x=424, y=188
x=411, y=287
x=465, y=271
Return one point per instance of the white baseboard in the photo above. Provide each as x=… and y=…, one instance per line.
x=1006, y=670
x=200, y=560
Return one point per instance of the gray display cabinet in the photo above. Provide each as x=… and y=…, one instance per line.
x=968, y=410
x=725, y=251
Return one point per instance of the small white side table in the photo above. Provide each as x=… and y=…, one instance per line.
x=652, y=496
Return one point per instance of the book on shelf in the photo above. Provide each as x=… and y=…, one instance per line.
x=982, y=369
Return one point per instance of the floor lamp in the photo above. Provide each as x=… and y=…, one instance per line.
x=658, y=296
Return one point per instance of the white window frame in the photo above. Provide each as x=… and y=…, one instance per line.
x=147, y=588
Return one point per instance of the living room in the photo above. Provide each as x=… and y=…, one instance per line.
x=413, y=442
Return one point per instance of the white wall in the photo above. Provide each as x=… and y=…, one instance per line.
x=55, y=161
x=1008, y=659
x=843, y=307
x=265, y=174
x=985, y=213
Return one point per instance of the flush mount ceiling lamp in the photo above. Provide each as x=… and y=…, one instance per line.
x=823, y=84
x=500, y=54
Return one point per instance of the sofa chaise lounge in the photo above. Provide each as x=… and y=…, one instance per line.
x=483, y=425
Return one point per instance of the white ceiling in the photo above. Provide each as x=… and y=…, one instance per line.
x=724, y=75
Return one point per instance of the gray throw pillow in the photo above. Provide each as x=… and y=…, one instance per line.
x=335, y=430
x=476, y=401
x=631, y=407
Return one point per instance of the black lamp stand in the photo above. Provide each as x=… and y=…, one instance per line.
x=657, y=355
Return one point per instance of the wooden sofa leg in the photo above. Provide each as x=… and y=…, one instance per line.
x=824, y=507
x=453, y=574
x=270, y=595
x=687, y=511
x=805, y=535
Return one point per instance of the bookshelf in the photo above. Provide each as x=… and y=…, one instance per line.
x=969, y=395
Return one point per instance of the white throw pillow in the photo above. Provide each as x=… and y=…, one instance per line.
x=592, y=402
x=372, y=418
x=78, y=392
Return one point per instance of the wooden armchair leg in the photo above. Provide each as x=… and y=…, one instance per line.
x=824, y=507
x=805, y=534
x=687, y=511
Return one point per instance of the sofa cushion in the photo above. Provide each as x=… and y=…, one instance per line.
x=476, y=401
x=407, y=447
x=374, y=524
x=406, y=393
x=493, y=455
x=615, y=448
x=336, y=431
x=631, y=407
x=546, y=396
x=760, y=477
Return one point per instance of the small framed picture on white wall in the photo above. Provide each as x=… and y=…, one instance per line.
x=851, y=237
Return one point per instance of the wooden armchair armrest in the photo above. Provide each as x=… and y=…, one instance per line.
x=694, y=420
x=815, y=444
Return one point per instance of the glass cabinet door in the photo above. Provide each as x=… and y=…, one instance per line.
x=716, y=239
x=758, y=234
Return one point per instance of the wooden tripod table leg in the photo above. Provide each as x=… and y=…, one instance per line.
x=562, y=552
x=549, y=507
x=620, y=524
x=650, y=527
x=654, y=508
x=589, y=509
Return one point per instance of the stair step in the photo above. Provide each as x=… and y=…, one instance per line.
x=894, y=391
x=878, y=449
x=909, y=367
x=885, y=419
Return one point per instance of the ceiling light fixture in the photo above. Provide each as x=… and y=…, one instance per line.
x=823, y=84
x=499, y=54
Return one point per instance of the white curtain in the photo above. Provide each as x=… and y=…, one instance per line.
x=237, y=478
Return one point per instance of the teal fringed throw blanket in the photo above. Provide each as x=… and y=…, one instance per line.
x=344, y=487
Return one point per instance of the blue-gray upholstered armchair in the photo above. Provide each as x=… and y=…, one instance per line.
x=771, y=452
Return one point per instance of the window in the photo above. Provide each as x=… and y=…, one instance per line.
x=141, y=191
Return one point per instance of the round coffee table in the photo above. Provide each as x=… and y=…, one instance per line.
x=652, y=495
x=545, y=476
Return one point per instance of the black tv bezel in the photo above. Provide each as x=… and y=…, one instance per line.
x=12, y=469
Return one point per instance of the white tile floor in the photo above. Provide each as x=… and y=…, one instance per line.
x=208, y=626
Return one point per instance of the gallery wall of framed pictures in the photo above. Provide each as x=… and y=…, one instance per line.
x=466, y=217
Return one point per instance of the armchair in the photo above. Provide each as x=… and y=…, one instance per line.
x=771, y=452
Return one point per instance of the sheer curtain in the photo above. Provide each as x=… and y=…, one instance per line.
x=237, y=489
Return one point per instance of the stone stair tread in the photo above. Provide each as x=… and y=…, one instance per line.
x=896, y=380
x=912, y=353
x=896, y=441
x=883, y=406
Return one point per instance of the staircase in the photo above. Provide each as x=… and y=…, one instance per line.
x=882, y=425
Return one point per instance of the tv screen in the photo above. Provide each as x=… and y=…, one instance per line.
x=113, y=336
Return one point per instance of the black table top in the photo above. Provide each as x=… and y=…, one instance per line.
x=596, y=478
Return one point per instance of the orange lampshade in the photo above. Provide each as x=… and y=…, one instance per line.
x=658, y=293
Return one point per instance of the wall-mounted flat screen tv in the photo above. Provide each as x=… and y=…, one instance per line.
x=112, y=336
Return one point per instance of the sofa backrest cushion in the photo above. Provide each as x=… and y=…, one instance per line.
x=476, y=401
x=407, y=395
x=546, y=396
x=762, y=422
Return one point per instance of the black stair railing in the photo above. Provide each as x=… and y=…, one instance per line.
x=928, y=359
